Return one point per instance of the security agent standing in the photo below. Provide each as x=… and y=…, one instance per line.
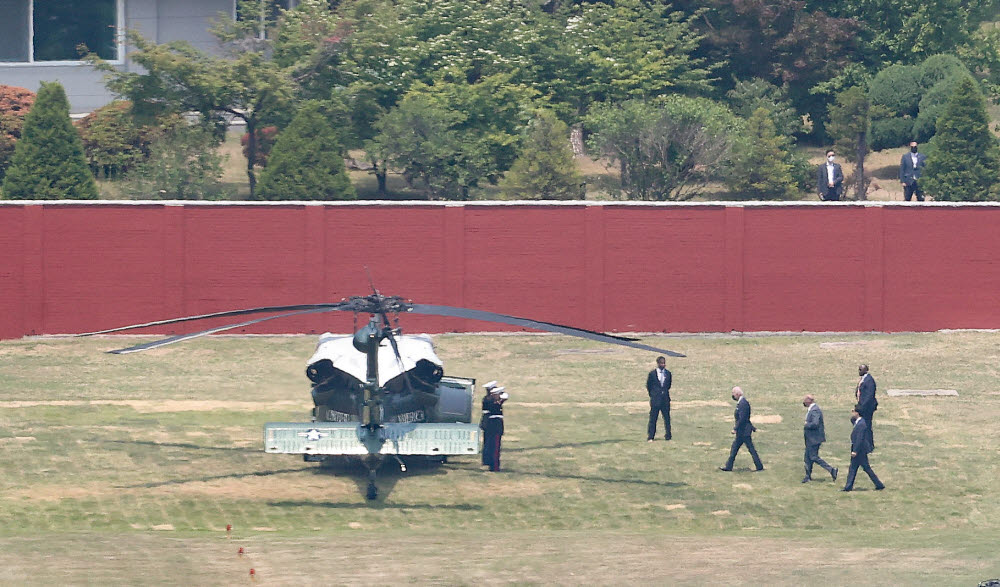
x=493, y=430
x=658, y=386
x=867, y=403
x=860, y=448
x=743, y=430
x=815, y=435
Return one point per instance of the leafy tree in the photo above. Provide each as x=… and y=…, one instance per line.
x=453, y=135
x=307, y=162
x=780, y=41
x=176, y=77
x=668, y=150
x=908, y=31
x=114, y=142
x=544, y=168
x=183, y=165
x=762, y=166
x=748, y=96
x=850, y=121
x=637, y=49
x=15, y=103
x=963, y=159
x=48, y=162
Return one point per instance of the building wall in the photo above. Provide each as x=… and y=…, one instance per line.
x=159, y=20
x=715, y=267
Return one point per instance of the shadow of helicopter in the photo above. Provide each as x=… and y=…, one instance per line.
x=206, y=478
x=378, y=504
x=390, y=472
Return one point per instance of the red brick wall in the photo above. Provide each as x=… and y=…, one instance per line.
x=613, y=267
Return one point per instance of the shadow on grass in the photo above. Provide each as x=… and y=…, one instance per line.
x=211, y=478
x=569, y=445
x=378, y=504
x=388, y=473
x=181, y=445
x=665, y=484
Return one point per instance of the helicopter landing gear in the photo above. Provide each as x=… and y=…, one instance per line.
x=373, y=464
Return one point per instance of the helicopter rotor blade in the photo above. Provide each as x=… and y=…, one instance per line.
x=456, y=312
x=261, y=310
x=182, y=337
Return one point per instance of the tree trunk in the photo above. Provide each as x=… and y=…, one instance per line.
x=251, y=156
x=860, y=193
x=576, y=140
x=380, y=174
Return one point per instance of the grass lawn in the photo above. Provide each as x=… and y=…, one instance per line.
x=127, y=469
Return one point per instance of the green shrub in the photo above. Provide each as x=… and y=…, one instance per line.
x=963, y=159
x=307, y=161
x=762, y=168
x=114, y=142
x=940, y=67
x=889, y=133
x=15, y=103
x=183, y=164
x=544, y=168
x=933, y=104
x=48, y=162
x=898, y=88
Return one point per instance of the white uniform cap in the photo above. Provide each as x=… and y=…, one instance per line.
x=497, y=389
x=490, y=385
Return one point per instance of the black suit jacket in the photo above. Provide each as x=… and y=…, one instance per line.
x=907, y=172
x=823, y=182
x=743, y=426
x=814, y=431
x=859, y=438
x=658, y=393
x=866, y=399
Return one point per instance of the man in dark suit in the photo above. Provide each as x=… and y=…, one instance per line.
x=815, y=435
x=658, y=386
x=867, y=404
x=910, y=166
x=742, y=431
x=859, y=453
x=829, y=179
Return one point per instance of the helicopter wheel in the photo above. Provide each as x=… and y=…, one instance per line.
x=372, y=491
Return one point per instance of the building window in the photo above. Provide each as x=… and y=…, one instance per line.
x=52, y=30
x=266, y=13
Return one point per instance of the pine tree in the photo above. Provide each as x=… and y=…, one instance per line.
x=762, y=164
x=48, y=162
x=963, y=159
x=307, y=161
x=544, y=168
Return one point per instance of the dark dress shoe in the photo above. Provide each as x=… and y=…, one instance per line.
x=724, y=469
x=880, y=488
x=806, y=480
x=846, y=490
x=834, y=472
x=759, y=470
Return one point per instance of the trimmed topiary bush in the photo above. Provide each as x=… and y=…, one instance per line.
x=889, y=133
x=48, y=162
x=307, y=161
x=898, y=88
x=933, y=103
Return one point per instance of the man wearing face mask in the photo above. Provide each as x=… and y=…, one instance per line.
x=859, y=453
x=910, y=167
x=743, y=431
x=830, y=179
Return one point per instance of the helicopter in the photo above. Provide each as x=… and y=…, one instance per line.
x=377, y=393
